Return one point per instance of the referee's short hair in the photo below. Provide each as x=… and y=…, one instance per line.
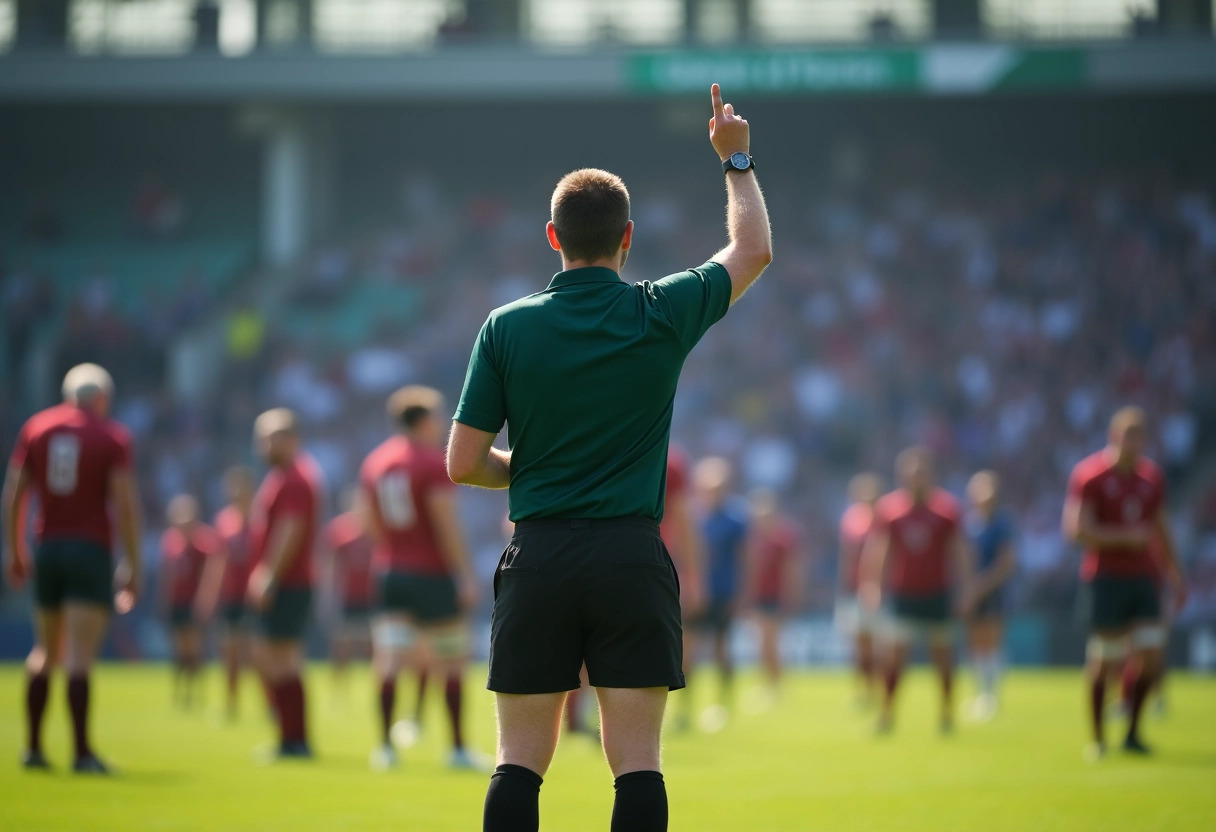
x=410, y=405
x=590, y=210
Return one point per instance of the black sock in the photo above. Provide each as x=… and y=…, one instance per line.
x=513, y=800
x=641, y=803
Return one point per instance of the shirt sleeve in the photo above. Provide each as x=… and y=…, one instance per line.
x=483, y=401
x=694, y=300
x=1077, y=482
x=21, y=450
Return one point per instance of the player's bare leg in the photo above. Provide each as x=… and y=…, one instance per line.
x=236, y=651
x=448, y=645
x=985, y=637
x=284, y=664
x=84, y=627
x=631, y=724
x=42, y=660
x=894, y=656
x=770, y=656
x=528, y=728
x=1148, y=657
x=866, y=664
x=942, y=654
x=393, y=648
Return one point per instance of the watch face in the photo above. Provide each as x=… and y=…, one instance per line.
x=740, y=161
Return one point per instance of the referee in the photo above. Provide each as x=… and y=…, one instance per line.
x=584, y=376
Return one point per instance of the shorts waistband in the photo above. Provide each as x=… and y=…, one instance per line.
x=581, y=523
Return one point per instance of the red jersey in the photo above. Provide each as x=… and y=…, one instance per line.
x=291, y=490
x=69, y=455
x=677, y=487
x=775, y=548
x=184, y=557
x=233, y=531
x=921, y=536
x=1122, y=500
x=854, y=530
x=352, y=551
x=397, y=478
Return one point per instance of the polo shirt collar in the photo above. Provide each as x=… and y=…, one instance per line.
x=587, y=274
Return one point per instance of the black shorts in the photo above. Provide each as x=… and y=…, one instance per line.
x=235, y=615
x=771, y=607
x=286, y=619
x=73, y=570
x=181, y=616
x=922, y=610
x=425, y=598
x=715, y=618
x=603, y=592
x=1116, y=604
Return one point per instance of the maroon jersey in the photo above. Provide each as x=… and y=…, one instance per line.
x=854, y=530
x=398, y=477
x=233, y=531
x=677, y=486
x=921, y=536
x=352, y=551
x=184, y=556
x=291, y=490
x=69, y=455
x=775, y=548
x=1121, y=500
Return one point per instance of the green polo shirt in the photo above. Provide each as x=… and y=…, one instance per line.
x=584, y=375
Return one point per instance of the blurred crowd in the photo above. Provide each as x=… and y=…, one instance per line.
x=999, y=327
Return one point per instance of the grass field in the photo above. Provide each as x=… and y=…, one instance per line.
x=810, y=762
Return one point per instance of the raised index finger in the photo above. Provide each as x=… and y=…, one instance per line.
x=715, y=96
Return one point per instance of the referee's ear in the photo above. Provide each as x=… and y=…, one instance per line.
x=551, y=233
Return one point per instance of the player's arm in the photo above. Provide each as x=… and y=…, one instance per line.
x=1169, y=558
x=369, y=514
x=211, y=583
x=691, y=552
x=445, y=520
x=751, y=570
x=473, y=459
x=750, y=249
x=12, y=503
x=284, y=543
x=1001, y=570
x=1080, y=526
x=797, y=567
x=873, y=564
x=125, y=497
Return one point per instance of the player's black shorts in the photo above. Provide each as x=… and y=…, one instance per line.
x=1118, y=603
x=181, y=616
x=236, y=615
x=916, y=609
x=73, y=570
x=603, y=592
x=716, y=617
x=990, y=606
x=356, y=613
x=425, y=598
x=769, y=606
x=286, y=619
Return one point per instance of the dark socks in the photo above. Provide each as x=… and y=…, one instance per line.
x=290, y=700
x=1140, y=689
x=78, y=704
x=418, y=703
x=388, y=702
x=641, y=803
x=1097, y=701
x=1127, y=683
x=38, y=688
x=513, y=800
x=453, y=696
x=891, y=681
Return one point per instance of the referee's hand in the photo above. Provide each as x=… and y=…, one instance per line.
x=728, y=133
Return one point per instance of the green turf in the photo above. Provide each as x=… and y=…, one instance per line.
x=810, y=762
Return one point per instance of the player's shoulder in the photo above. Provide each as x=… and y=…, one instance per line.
x=171, y=541
x=892, y=505
x=1092, y=466
x=48, y=419
x=857, y=516
x=946, y=504
x=1149, y=470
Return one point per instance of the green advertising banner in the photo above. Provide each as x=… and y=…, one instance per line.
x=938, y=70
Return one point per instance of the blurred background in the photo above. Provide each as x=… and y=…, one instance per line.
x=995, y=222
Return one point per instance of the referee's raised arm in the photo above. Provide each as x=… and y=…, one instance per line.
x=751, y=241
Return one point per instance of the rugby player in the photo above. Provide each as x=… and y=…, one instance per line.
x=186, y=547
x=775, y=576
x=1116, y=509
x=283, y=529
x=852, y=617
x=78, y=464
x=584, y=375
x=724, y=528
x=424, y=579
x=226, y=580
x=348, y=570
x=916, y=541
x=990, y=529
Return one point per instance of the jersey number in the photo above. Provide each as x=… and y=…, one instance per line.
x=396, y=500
x=63, y=463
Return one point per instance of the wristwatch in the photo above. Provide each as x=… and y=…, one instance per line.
x=738, y=161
